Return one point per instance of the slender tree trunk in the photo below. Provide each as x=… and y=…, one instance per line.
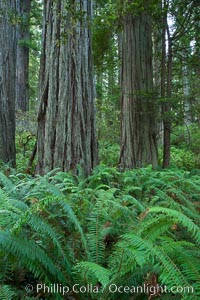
x=138, y=107
x=166, y=88
x=196, y=82
x=157, y=68
x=22, y=64
x=120, y=44
x=7, y=82
x=66, y=124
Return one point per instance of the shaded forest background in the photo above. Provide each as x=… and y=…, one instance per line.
x=165, y=113
x=99, y=148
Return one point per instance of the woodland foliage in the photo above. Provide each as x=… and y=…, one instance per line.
x=111, y=228
x=132, y=228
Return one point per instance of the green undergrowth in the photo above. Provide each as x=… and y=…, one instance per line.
x=136, y=228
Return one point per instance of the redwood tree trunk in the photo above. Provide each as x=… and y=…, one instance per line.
x=66, y=125
x=7, y=82
x=166, y=88
x=138, y=117
x=22, y=63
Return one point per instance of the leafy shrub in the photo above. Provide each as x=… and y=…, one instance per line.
x=25, y=138
x=183, y=159
x=109, y=154
x=186, y=137
x=185, y=150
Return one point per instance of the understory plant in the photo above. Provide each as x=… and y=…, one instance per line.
x=131, y=229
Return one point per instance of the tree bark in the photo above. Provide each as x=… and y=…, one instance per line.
x=22, y=64
x=66, y=123
x=166, y=89
x=138, y=108
x=7, y=81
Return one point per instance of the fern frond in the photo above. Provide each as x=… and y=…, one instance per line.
x=30, y=255
x=153, y=228
x=49, y=233
x=45, y=187
x=72, y=217
x=181, y=218
x=7, y=292
x=132, y=200
x=171, y=274
x=7, y=184
x=94, y=271
x=95, y=241
x=190, y=264
x=10, y=209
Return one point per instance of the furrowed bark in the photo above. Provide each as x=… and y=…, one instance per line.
x=138, y=118
x=7, y=82
x=66, y=123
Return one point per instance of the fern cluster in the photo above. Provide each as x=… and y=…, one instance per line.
x=111, y=229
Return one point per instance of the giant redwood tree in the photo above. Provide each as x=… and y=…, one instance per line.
x=138, y=108
x=66, y=125
x=7, y=80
